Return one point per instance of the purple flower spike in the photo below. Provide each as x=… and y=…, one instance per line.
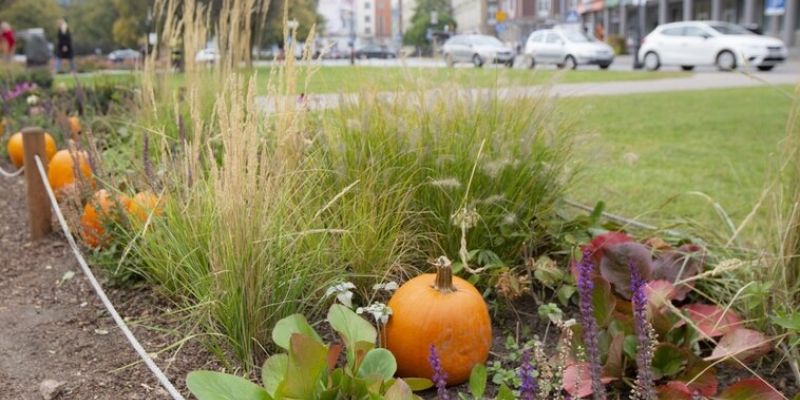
x=644, y=341
x=589, y=323
x=439, y=375
x=529, y=386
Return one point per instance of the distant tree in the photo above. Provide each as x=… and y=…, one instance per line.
x=130, y=26
x=92, y=24
x=417, y=32
x=24, y=14
x=304, y=11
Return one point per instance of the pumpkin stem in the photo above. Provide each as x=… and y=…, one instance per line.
x=444, y=275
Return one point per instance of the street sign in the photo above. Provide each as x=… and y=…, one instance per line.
x=500, y=16
x=774, y=7
x=500, y=28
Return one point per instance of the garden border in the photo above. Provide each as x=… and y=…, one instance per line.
x=162, y=378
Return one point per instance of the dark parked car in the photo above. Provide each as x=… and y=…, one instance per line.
x=375, y=51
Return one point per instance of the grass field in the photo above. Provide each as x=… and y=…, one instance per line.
x=338, y=79
x=645, y=154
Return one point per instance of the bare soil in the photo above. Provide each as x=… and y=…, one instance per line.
x=52, y=328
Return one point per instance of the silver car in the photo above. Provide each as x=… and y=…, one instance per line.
x=478, y=50
x=567, y=49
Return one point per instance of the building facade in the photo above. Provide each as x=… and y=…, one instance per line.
x=620, y=17
x=383, y=20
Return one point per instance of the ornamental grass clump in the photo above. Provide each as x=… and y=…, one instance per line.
x=271, y=203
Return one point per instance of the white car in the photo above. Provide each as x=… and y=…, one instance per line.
x=208, y=55
x=708, y=43
x=567, y=48
x=477, y=49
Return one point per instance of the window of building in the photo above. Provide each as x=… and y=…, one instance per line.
x=366, y=5
x=543, y=7
x=367, y=18
x=367, y=31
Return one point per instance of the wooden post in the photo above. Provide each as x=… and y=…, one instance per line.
x=39, y=211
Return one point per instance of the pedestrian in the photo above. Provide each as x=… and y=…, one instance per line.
x=64, y=49
x=599, y=32
x=8, y=42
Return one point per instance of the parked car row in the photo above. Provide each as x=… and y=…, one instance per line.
x=685, y=44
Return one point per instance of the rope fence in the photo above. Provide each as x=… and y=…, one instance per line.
x=11, y=174
x=41, y=200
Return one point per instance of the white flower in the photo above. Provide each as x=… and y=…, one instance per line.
x=388, y=286
x=342, y=292
x=33, y=100
x=381, y=312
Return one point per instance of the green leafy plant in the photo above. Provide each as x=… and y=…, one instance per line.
x=687, y=341
x=308, y=369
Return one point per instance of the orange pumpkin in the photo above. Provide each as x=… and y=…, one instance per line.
x=61, y=171
x=16, y=151
x=74, y=125
x=442, y=311
x=94, y=213
x=142, y=204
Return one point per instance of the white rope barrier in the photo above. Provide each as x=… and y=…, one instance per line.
x=11, y=174
x=176, y=395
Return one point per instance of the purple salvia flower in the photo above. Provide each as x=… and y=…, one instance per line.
x=644, y=341
x=590, y=330
x=529, y=386
x=439, y=375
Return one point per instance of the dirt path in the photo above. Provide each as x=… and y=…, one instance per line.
x=57, y=329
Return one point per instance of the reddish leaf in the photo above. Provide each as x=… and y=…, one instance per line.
x=745, y=344
x=659, y=293
x=712, y=320
x=333, y=355
x=577, y=380
x=613, y=365
x=679, y=264
x=703, y=379
x=674, y=390
x=657, y=243
x=614, y=266
x=603, y=301
x=750, y=389
x=598, y=245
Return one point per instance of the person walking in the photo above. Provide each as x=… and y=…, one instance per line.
x=8, y=42
x=64, y=46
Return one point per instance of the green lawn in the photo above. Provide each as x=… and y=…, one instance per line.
x=338, y=79
x=351, y=79
x=644, y=154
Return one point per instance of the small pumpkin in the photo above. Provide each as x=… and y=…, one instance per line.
x=16, y=151
x=61, y=171
x=94, y=213
x=443, y=311
x=74, y=125
x=142, y=204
